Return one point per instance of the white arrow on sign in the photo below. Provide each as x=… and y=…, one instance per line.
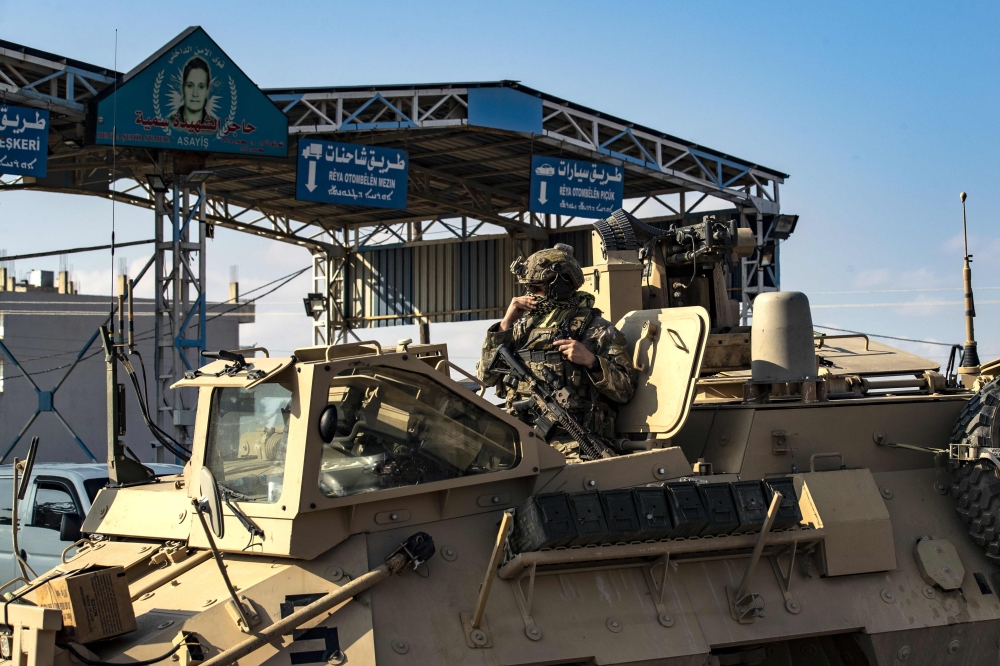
x=311, y=183
x=541, y=194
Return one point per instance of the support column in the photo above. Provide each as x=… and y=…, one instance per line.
x=752, y=269
x=331, y=279
x=323, y=330
x=179, y=323
x=162, y=336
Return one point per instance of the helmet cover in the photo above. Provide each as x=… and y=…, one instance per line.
x=554, y=268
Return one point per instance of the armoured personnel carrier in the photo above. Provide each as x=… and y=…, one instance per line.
x=786, y=501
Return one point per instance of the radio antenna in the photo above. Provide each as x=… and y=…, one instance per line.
x=111, y=178
x=970, y=356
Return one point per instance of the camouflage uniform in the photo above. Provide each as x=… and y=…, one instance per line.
x=532, y=336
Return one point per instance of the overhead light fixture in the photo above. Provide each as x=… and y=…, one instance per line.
x=784, y=225
x=315, y=305
x=767, y=254
x=158, y=183
x=197, y=177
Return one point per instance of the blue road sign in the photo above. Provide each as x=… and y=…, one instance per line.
x=346, y=173
x=190, y=96
x=24, y=141
x=571, y=187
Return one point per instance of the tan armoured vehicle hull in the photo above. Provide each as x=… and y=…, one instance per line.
x=875, y=567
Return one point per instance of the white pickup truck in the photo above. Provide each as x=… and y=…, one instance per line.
x=59, y=496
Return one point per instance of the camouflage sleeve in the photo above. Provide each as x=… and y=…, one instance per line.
x=494, y=338
x=618, y=382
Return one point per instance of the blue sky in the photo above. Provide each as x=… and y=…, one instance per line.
x=880, y=112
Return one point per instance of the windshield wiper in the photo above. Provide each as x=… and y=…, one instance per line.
x=246, y=521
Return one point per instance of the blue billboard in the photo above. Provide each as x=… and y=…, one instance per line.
x=190, y=96
x=353, y=175
x=24, y=141
x=571, y=187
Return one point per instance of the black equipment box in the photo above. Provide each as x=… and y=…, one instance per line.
x=588, y=515
x=686, y=509
x=544, y=521
x=750, y=505
x=623, y=521
x=718, y=501
x=653, y=514
x=789, y=514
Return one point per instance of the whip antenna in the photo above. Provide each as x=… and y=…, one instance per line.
x=970, y=356
x=111, y=177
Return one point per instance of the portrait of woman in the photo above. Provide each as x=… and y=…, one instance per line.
x=196, y=84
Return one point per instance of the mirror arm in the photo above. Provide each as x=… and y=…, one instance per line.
x=198, y=506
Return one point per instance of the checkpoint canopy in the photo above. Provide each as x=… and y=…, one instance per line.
x=413, y=198
x=473, y=150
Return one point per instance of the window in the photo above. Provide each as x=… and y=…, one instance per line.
x=52, y=501
x=94, y=486
x=247, y=436
x=6, y=500
x=399, y=428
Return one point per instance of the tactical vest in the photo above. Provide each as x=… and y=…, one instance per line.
x=536, y=348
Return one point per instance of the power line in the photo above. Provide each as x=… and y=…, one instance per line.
x=904, y=304
x=92, y=248
x=148, y=334
x=894, y=291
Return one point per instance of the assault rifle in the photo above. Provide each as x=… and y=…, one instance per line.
x=549, y=402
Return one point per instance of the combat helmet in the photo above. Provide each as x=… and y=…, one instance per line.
x=555, y=268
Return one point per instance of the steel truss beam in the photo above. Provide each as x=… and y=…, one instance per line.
x=220, y=211
x=34, y=79
x=446, y=196
x=657, y=155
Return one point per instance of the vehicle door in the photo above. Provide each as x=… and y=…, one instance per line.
x=8, y=569
x=51, y=499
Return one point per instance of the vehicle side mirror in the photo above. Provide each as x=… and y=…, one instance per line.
x=328, y=423
x=69, y=527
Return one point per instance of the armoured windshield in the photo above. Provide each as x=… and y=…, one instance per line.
x=398, y=428
x=247, y=437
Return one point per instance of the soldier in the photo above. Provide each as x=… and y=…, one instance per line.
x=557, y=326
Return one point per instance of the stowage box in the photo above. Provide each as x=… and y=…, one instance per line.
x=719, y=506
x=750, y=505
x=623, y=520
x=544, y=521
x=686, y=509
x=789, y=514
x=587, y=513
x=653, y=514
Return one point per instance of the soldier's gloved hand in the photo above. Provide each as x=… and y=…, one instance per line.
x=575, y=351
x=518, y=306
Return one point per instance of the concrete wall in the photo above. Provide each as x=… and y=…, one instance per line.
x=46, y=331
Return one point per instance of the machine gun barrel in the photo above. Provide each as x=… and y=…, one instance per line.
x=545, y=398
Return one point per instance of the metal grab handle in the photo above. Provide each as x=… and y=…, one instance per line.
x=649, y=330
x=448, y=364
x=675, y=337
x=16, y=580
x=247, y=351
x=813, y=457
x=823, y=337
x=372, y=343
x=73, y=545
